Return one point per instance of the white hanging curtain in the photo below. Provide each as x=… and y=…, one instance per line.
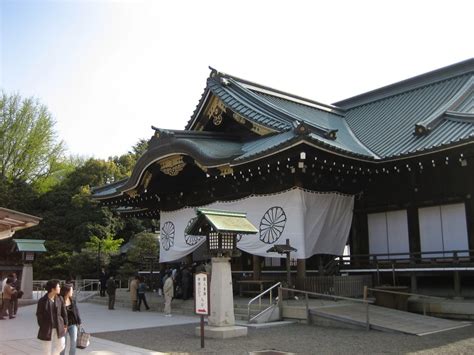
x=314, y=222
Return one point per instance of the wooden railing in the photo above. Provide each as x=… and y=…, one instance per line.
x=446, y=258
x=347, y=286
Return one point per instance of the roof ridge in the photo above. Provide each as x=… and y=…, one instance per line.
x=413, y=83
x=179, y=133
x=278, y=93
x=268, y=108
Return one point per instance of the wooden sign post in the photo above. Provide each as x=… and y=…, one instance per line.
x=201, y=299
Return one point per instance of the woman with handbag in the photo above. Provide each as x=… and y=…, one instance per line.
x=73, y=318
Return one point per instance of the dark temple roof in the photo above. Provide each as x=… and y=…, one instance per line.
x=424, y=114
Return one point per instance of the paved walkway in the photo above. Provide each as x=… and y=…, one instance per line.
x=152, y=333
x=18, y=336
x=386, y=319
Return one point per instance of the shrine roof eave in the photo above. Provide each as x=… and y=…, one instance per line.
x=12, y=221
x=215, y=153
x=209, y=150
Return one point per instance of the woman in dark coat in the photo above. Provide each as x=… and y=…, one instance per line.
x=73, y=317
x=52, y=319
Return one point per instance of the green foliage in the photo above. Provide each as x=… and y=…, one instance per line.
x=17, y=195
x=144, y=245
x=107, y=245
x=126, y=270
x=83, y=265
x=28, y=148
x=54, y=263
x=139, y=148
x=36, y=178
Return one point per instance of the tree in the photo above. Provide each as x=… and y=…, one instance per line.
x=144, y=245
x=28, y=148
x=105, y=247
x=143, y=251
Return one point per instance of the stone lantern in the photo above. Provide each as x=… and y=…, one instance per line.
x=29, y=248
x=221, y=229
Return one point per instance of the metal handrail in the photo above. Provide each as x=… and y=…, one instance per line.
x=307, y=293
x=259, y=297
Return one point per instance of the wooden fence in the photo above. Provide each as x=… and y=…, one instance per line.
x=347, y=286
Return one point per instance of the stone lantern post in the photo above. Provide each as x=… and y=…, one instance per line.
x=221, y=229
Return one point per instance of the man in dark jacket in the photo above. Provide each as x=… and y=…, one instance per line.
x=111, y=291
x=52, y=319
x=103, y=282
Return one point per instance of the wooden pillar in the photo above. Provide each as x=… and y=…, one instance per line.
x=414, y=285
x=189, y=259
x=359, y=237
x=457, y=284
x=469, y=203
x=257, y=267
x=320, y=265
x=300, y=273
x=413, y=233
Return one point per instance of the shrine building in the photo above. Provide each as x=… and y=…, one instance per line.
x=384, y=178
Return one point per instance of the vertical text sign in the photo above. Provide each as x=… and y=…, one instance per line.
x=201, y=294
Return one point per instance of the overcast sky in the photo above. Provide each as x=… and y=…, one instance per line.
x=108, y=70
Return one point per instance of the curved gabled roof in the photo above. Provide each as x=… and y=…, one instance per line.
x=388, y=126
x=423, y=114
x=283, y=113
x=426, y=113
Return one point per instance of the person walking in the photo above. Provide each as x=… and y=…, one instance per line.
x=9, y=293
x=18, y=294
x=52, y=319
x=103, y=281
x=134, y=292
x=73, y=318
x=168, y=291
x=111, y=288
x=141, y=294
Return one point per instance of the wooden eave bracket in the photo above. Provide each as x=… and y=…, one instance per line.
x=162, y=133
x=302, y=128
x=225, y=170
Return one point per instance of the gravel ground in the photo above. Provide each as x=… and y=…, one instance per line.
x=298, y=338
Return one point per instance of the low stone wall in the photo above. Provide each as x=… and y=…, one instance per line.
x=451, y=309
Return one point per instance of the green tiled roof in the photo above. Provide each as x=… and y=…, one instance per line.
x=387, y=126
x=380, y=124
x=34, y=245
x=283, y=114
x=221, y=221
